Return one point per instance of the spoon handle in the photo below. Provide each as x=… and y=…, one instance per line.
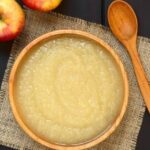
x=140, y=74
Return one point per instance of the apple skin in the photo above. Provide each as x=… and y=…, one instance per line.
x=42, y=5
x=12, y=20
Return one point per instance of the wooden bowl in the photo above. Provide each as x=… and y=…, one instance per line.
x=20, y=121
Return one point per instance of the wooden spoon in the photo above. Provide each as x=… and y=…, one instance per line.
x=123, y=23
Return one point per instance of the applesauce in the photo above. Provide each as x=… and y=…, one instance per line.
x=69, y=90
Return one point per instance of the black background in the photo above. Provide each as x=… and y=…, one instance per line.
x=95, y=11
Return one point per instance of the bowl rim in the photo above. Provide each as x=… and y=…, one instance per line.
x=93, y=141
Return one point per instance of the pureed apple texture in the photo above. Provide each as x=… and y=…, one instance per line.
x=69, y=90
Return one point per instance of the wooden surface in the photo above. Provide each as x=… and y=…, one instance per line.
x=35, y=136
x=123, y=23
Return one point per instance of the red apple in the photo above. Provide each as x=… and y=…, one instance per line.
x=42, y=5
x=12, y=19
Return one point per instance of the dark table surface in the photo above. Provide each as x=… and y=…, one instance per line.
x=95, y=11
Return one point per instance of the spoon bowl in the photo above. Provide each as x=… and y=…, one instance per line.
x=122, y=20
